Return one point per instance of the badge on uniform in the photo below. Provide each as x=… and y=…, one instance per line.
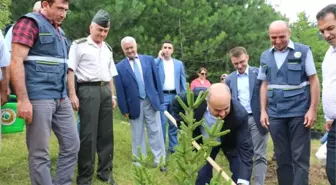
x=297, y=54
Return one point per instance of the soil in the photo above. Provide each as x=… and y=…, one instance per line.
x=317, y=174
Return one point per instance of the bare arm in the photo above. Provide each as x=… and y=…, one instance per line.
x=17, y=72
x=112, y=87
x=314, y=92
x=5, y=79
x=71, y=82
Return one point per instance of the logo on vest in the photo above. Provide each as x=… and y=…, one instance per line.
x=8, y=116
x=297, y=54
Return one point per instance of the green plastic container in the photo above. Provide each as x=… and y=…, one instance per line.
x=10, y=121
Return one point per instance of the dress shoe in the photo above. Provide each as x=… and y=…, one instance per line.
x=163, y=169
x=110, y=180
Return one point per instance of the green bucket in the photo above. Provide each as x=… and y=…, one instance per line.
x=10, y=121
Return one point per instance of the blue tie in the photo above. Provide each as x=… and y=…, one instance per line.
x=141, y=84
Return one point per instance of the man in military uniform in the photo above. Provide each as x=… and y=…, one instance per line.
x=289, y=97
x=91, y=60
x=38, y=74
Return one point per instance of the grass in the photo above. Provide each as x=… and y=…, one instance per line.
x=14, y=165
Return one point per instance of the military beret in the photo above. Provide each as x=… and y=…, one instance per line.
x=102, y=18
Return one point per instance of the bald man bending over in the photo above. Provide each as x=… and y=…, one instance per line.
x=289, y=97
x=237, y=145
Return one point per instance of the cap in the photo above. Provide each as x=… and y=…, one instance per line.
x=102, y=18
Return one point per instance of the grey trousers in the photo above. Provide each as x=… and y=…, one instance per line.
x=259, y=147
x=154, y=132
x=56, y=115
x=95, y=132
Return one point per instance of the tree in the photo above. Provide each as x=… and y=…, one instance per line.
x=4, y=13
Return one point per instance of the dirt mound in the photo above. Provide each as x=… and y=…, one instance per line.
x=317, y=174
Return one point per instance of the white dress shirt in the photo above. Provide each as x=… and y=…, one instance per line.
x=169, y=81
x=329, y=83
x=137, y=60
x=4, y=54
x=90, y=62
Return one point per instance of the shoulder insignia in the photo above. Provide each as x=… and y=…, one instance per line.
x=81, y=40
x=110, y=48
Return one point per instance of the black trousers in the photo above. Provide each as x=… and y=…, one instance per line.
x=96, y=132
x=331, y=154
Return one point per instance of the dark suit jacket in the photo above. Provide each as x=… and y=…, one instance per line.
x=254, y=84
x=127, y=87
x=238, y=139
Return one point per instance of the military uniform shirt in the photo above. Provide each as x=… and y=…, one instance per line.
x=4, y=54
x=90, y=62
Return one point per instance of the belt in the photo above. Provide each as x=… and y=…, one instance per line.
x=287, y=87
x=93, y=83
x=169, y=92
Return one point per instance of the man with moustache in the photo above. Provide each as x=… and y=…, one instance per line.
x=91, y=60
x=38, y=74
x=326, y=22
x=139, y=95
x=289, y=97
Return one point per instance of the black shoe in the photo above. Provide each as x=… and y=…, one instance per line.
x=110, y=180
x=163, y=169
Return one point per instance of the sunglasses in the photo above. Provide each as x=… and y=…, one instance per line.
x=203, y=73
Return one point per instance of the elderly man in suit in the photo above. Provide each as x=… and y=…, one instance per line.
x=237, y=145
x=139, y=95
x=245, y=88
x=173, y=81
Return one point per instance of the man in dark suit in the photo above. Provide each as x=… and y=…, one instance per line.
x=237, y=145
x=245, y=88
x=139, y=95
x=173, y=81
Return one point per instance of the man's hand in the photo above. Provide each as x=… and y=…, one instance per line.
x=126, y=116
x=327, y=125
x=114, y=103
x=161, y=55
x=4, y=97
x=25, y=110
x=310, y=118
x=264, y=119
x=74, y=101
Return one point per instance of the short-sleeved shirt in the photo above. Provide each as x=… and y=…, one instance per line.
x=198, y=83
x=8, y=39
x=280, y=57
x=25, y=32
x=4, y=54
x=90, y=62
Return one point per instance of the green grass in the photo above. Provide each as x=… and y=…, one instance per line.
x=14, y=165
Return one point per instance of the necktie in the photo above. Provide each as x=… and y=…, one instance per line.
x=141, y=84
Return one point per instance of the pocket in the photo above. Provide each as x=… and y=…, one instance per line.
x=50, y=71
x=48, y=67
x=294, y=72
x=46, y=38
x=292, y=93
x=270, y=93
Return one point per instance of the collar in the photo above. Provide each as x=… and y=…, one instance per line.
x=136, y=56
x=90, y=41
x=332, y=49
x=290, y=45
x=246, y=71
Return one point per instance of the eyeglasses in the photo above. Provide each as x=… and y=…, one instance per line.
x=203, y=73
x=62, y=10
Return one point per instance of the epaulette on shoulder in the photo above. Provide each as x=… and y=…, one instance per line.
x=110, y=48
x=81, y=40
